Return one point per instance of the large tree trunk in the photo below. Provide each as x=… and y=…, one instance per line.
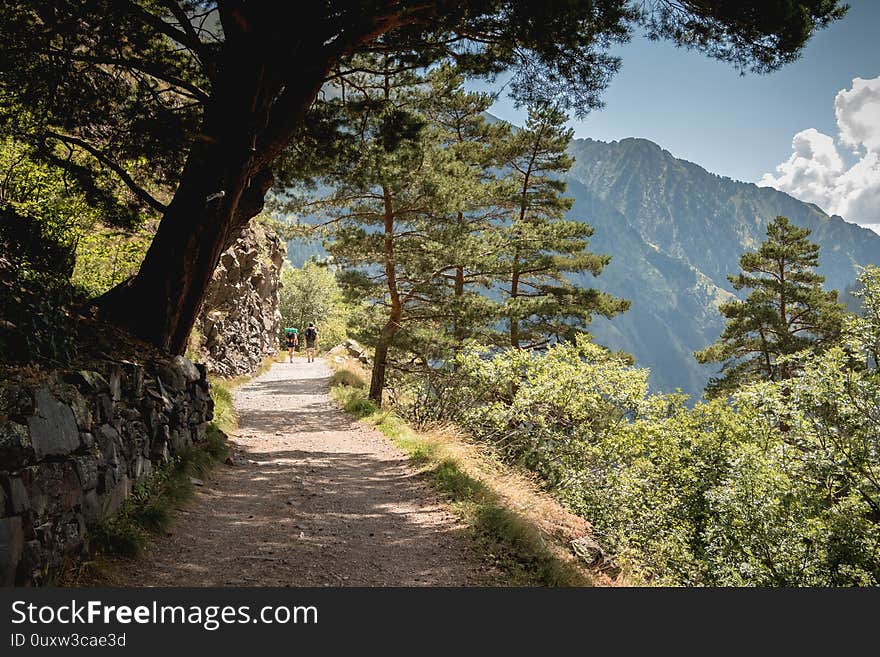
x=222, y=186
x=161, y=303
x=265, y=80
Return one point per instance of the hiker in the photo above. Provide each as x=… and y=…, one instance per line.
x=311, y=341
x=292, y=342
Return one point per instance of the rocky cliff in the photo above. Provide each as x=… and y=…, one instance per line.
x=239, y=324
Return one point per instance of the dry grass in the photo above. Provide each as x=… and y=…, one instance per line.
x=522, y=494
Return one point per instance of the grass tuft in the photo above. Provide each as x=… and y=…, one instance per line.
x=224, y=414
x=149, y=510
x=354, y=401
x=347, y=377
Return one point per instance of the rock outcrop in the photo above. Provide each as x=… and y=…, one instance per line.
x=240, y=322
x=74, y=442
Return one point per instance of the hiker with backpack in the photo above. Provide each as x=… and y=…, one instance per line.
x=292, y=341
x=311, y=341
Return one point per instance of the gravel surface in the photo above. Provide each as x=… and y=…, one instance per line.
x=314, y=499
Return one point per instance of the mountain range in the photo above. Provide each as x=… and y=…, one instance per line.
x=675, y=232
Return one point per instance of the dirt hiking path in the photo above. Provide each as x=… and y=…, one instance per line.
x=314, y=499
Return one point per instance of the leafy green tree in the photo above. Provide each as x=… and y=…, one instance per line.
x=540, y=245
x=188, y=104
x=786, y=312
x=42, y=217
x=862, y=329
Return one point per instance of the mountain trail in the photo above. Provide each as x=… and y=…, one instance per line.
x=314, y=499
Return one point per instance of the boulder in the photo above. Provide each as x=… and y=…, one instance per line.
x=53, y=427
x=187, y=369
x=588, y=550
x=239, y=324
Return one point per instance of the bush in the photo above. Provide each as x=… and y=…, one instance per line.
x=36, y=319
x=432, y=397
x=774, y=487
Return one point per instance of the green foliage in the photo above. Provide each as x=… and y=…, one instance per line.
x=107, y=256
x=433, y=396
x=42, y=218
x=523, y=401
x=38, y=322
x=224, y=414
x=778, y=486
x=862, y=331
x=787, y=311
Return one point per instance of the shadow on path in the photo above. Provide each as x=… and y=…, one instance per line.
x=317, y=500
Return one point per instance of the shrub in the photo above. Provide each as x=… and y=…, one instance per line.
x=774, y=487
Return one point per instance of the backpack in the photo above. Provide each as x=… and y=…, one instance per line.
x=311, y=333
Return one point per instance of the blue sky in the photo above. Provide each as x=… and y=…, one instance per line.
x=739, y=126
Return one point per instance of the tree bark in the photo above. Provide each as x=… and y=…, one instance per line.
x=377, y=381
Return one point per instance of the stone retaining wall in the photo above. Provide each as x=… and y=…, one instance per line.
x=73, y=445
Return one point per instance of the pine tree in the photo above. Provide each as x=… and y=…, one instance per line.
x=540, y=246
x=470, y=149
x=786, y=312
x=396, y=204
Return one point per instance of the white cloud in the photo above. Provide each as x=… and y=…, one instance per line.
x=858, y=114
x=816, y=173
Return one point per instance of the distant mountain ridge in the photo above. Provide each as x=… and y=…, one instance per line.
x=674, y=232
